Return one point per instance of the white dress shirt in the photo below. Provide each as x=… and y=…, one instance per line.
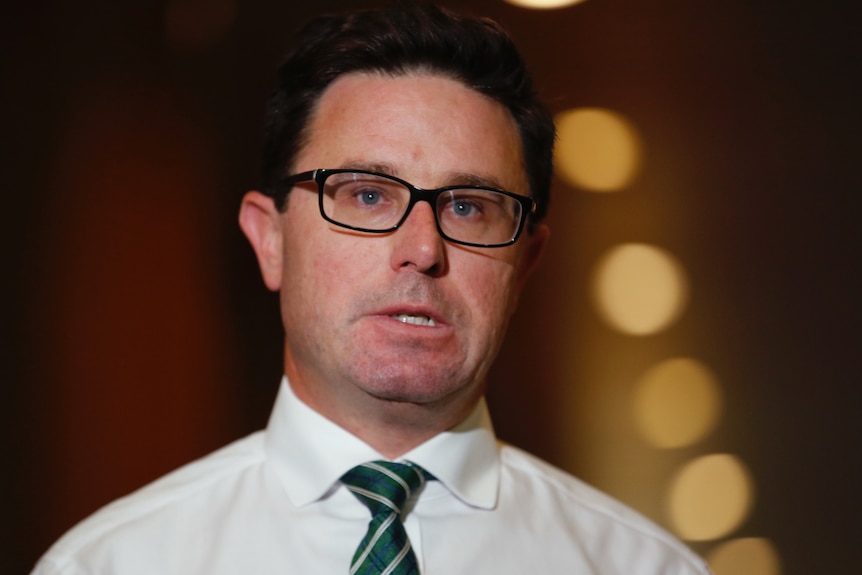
x=272, y=504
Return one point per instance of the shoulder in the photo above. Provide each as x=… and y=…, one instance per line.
x=178, y=492
x=594, y=519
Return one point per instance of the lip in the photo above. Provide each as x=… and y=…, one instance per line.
x=417, y=310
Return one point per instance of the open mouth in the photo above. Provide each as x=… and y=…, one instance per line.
x=414, y=319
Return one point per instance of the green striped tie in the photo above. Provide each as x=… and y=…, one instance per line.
x=383, y=487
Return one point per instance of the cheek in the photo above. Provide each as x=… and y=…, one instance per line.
x=326, y=270
x=490, y=291
x=312, y=298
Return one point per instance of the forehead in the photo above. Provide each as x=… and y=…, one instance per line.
x=423, y=127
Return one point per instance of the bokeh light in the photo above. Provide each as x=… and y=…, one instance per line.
x=639, y=289
x=677, y=403
x=709, y=497
x=544, y=4
x=746, y=556
x=597, y=149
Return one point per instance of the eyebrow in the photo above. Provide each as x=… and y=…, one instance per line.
x=452, y=178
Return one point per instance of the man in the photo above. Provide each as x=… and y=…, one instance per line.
x=406, y=172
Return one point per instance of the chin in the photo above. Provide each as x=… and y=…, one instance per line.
x=411, y=378
x=419, y=389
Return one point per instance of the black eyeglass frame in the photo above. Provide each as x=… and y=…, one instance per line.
x=319, y=176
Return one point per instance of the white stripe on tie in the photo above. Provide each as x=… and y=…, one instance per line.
x=389, y=473
x=377, y=534
x=397, y=560
x=384, y=487
x=376, y=497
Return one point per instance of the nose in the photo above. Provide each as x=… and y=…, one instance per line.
x=418, y=244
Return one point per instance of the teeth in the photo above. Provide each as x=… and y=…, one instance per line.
x=414, y=319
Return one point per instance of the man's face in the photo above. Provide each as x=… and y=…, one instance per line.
x=356, y=306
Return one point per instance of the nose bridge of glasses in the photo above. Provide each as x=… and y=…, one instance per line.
x=419, y=195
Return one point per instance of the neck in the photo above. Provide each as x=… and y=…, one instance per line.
x=390, y=427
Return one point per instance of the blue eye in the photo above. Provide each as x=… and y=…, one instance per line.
x=463, y=208
x=370, y=197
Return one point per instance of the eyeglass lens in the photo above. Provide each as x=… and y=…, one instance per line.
x=376, y=203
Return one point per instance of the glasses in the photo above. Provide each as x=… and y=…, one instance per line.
x=377, y=203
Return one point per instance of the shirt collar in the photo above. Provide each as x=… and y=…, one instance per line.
x=309, y=453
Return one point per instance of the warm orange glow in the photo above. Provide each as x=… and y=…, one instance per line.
x=709, y=497
x=639, y=289
x=677, y=403
x=131, y=298
x=597, y=150
x=544, y=4
x=748, y=556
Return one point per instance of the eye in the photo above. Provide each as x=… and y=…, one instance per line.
x=464, y=208
x=370, y=197
x=467, y=206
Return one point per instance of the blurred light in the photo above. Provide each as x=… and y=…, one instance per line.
x=639, y=289
x=596, y=149
x=709, y=497
x=544, y=4
x=198, y=24
x=677, y=403
x=748, y=556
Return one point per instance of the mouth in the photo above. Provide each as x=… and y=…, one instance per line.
x=412, y=319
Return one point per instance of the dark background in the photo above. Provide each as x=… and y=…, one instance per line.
x=137, y=334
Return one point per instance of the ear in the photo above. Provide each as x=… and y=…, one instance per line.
x=261, y=223
x=535, y=246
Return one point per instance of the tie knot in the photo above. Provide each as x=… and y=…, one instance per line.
x=383, y=486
